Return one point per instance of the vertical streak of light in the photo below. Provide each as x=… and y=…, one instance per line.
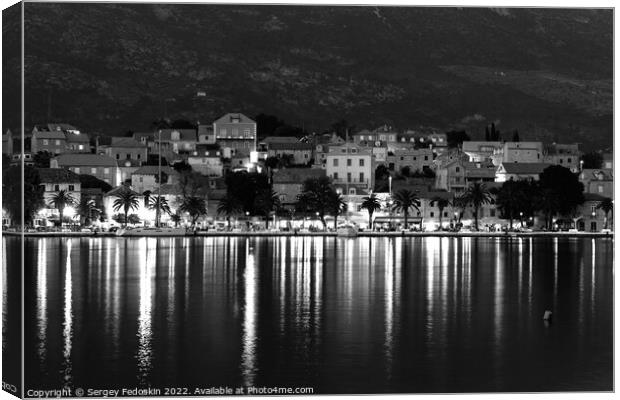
x=555, y=272
x=67, y=332
x=4, y=294
x=41, y=298
x=389, y=307
x=499, y=300
x=318, y=286
x=520, y=283
x=171, y=280
x=147, y=254
x=593, y=277
x=283, y=265
x=116, y=299
x=187, y=260
x=530, y=280
x=430, y=281
x=248, y=356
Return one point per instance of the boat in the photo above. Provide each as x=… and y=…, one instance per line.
x=348, y=230
x=151, y=231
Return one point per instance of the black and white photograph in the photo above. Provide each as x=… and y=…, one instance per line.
x=294, y=200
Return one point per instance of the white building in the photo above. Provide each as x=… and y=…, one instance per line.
x=350, y=165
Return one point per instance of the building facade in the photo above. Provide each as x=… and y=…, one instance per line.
x=97, y=165
x=350, y=167
x=235, y=133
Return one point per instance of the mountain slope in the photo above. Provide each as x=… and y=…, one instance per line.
x=112, y=67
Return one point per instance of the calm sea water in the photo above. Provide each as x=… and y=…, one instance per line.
x=365, y=315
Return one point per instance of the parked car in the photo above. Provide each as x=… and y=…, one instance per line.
x=113, y=229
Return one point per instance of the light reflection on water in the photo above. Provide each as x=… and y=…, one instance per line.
x=343, y=315
x=67, y=332
x=144, y=354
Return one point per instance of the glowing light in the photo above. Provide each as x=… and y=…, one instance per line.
x=69, y=211
x=67, y=332
x=147, y=267
x=42, y=297
x=248, y=356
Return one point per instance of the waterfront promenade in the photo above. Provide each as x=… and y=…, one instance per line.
x=329, y=234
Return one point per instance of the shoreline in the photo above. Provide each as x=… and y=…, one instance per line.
x=327, y=234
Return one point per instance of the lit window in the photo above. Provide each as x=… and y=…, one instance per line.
x=106, y=171
x=600, y=188
x=76, y=170
x=45, y=142
x=58, y=143
x=93, y=170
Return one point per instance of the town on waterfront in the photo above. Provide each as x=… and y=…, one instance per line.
x=238, y=199
x=224, y=177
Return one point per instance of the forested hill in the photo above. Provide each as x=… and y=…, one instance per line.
x=113, y=67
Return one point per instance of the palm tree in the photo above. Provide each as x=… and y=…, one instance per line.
x=441, y=204
x=195, y=206
x=228, y=206
x=607, y=205
x=336, y=205
x=176, y=218
x=86, y=208
x=477, y=195
x=61, y=200
x=403, y=201
x=265, y=202
x=370, y=204
x=126, y=199
x=159, y=204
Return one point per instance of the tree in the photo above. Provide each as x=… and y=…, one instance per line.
x=456, y=138
x=61, y=200
x=157, y=203
x=477, y=195
x=442, y=203
x=195, y=206
x=336, y=206
x=42, y=159
x=31, y=201
x=561, y=192
x=592, y=160
x=509, y=200
x=404, y=200
x=182, y=166
x=315, y=197
x=266, y=202
x=607, y=205
x=229, y=206
x=86, y=209
x=126, y=199
x=370, y=204
x=244, y=187
x=176, y=218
